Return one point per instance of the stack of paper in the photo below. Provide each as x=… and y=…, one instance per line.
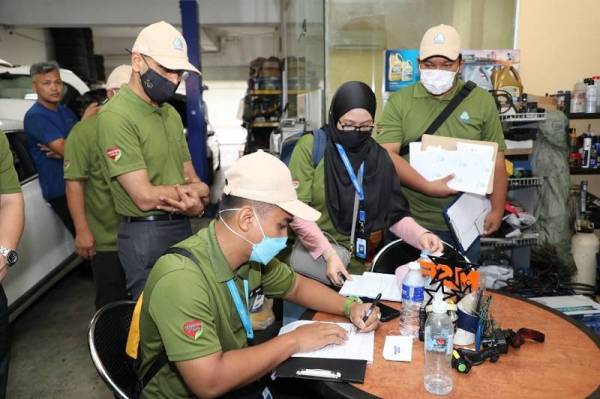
x=371, y=284
x=359, y=345
x=471, y=164
x=466, y=217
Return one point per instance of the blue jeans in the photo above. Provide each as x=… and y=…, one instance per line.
x=473, y=252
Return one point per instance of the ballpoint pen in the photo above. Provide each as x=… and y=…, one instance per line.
x=366, y=316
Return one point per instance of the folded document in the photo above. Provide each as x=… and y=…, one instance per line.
x=370, y=284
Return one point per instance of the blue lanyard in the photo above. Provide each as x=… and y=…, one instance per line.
x=241, y=309
x=361, y=171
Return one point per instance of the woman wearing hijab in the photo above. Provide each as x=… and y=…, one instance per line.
x=354, y=185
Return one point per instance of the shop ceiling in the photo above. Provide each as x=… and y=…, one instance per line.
x=116, y=23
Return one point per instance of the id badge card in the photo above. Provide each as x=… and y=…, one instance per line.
x=361, y=241
x=360, y=248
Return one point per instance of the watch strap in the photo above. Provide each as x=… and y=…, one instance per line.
x=4, y=251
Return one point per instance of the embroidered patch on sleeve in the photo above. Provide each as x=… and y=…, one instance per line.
x=114, y=153
x=193, y=329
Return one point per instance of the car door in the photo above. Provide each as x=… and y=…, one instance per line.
x=46, y=251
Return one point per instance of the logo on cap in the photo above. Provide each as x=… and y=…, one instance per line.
x=114, y=153
x=193, y=329
x=439, y=38
x=464, y=116
x=178, y=43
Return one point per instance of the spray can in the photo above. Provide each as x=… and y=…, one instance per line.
x=583, y=188
x=591, y=96
x=578, y=98
x=593, y=153
x=574, y=156
x=587, y=151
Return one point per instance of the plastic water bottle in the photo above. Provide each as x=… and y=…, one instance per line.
x=439, y=333
x=423, y=261
x=412, y=297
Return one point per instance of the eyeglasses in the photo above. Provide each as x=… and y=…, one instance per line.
x=352, y=128
x=180, y=73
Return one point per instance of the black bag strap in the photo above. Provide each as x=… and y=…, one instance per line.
x=161, y=359
x=446, y=112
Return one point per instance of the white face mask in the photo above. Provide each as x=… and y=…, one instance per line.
x=437, y=81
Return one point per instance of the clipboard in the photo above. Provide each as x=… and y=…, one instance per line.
x=465, y=217
x=335, y=370
x=449, y=143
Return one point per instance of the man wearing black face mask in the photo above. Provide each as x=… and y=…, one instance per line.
x=145, y=156
x=355, y=189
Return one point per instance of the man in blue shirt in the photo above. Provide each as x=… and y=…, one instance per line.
x=47, y=124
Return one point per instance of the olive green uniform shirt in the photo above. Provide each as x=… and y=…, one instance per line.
x=411, y=110
x=134, y=135
x=82, y=162
x=190, y=312
x=9, y=181
x=311, y=190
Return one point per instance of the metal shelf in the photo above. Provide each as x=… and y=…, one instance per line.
x=525, y=240
x=585, y=171
x=584, y=115
x=265, y=92
x=510, y=152
x=524, y=117
x=518, y=182
x=264, y=124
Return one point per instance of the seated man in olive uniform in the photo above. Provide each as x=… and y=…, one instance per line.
x=197, y=311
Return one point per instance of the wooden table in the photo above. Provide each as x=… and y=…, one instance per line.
x=566, y=365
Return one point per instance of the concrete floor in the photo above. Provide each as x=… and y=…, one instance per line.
x=49, y=355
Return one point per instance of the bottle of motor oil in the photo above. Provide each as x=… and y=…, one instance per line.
x=507, y=78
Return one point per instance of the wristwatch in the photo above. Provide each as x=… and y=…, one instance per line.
x=10, y=255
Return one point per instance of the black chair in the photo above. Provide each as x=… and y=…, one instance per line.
x=107, y=337
x=398, y=253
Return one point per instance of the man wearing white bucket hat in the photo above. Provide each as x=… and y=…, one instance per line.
x=145, y=155
x=193, y=314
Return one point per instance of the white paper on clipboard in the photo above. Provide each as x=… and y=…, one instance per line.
x=466, y=217
x=471, y=162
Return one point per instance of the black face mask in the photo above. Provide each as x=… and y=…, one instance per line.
x=158, y=88
x=352, y=141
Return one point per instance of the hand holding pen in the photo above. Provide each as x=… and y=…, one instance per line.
x=373, y=305
x=365, y=316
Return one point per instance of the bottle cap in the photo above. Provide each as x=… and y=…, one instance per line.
x=414, y=266
x=439, y=305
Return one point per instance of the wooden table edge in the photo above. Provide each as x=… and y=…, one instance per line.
x=349, y=391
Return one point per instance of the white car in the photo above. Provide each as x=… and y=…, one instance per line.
x=46, y=251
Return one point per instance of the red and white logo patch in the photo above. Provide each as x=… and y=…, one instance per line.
x=193, y=329
x=114, y=153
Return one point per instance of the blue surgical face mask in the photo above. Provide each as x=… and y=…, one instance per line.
x=264, y=251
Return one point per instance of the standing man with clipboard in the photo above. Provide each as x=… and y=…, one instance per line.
x=444, y=105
